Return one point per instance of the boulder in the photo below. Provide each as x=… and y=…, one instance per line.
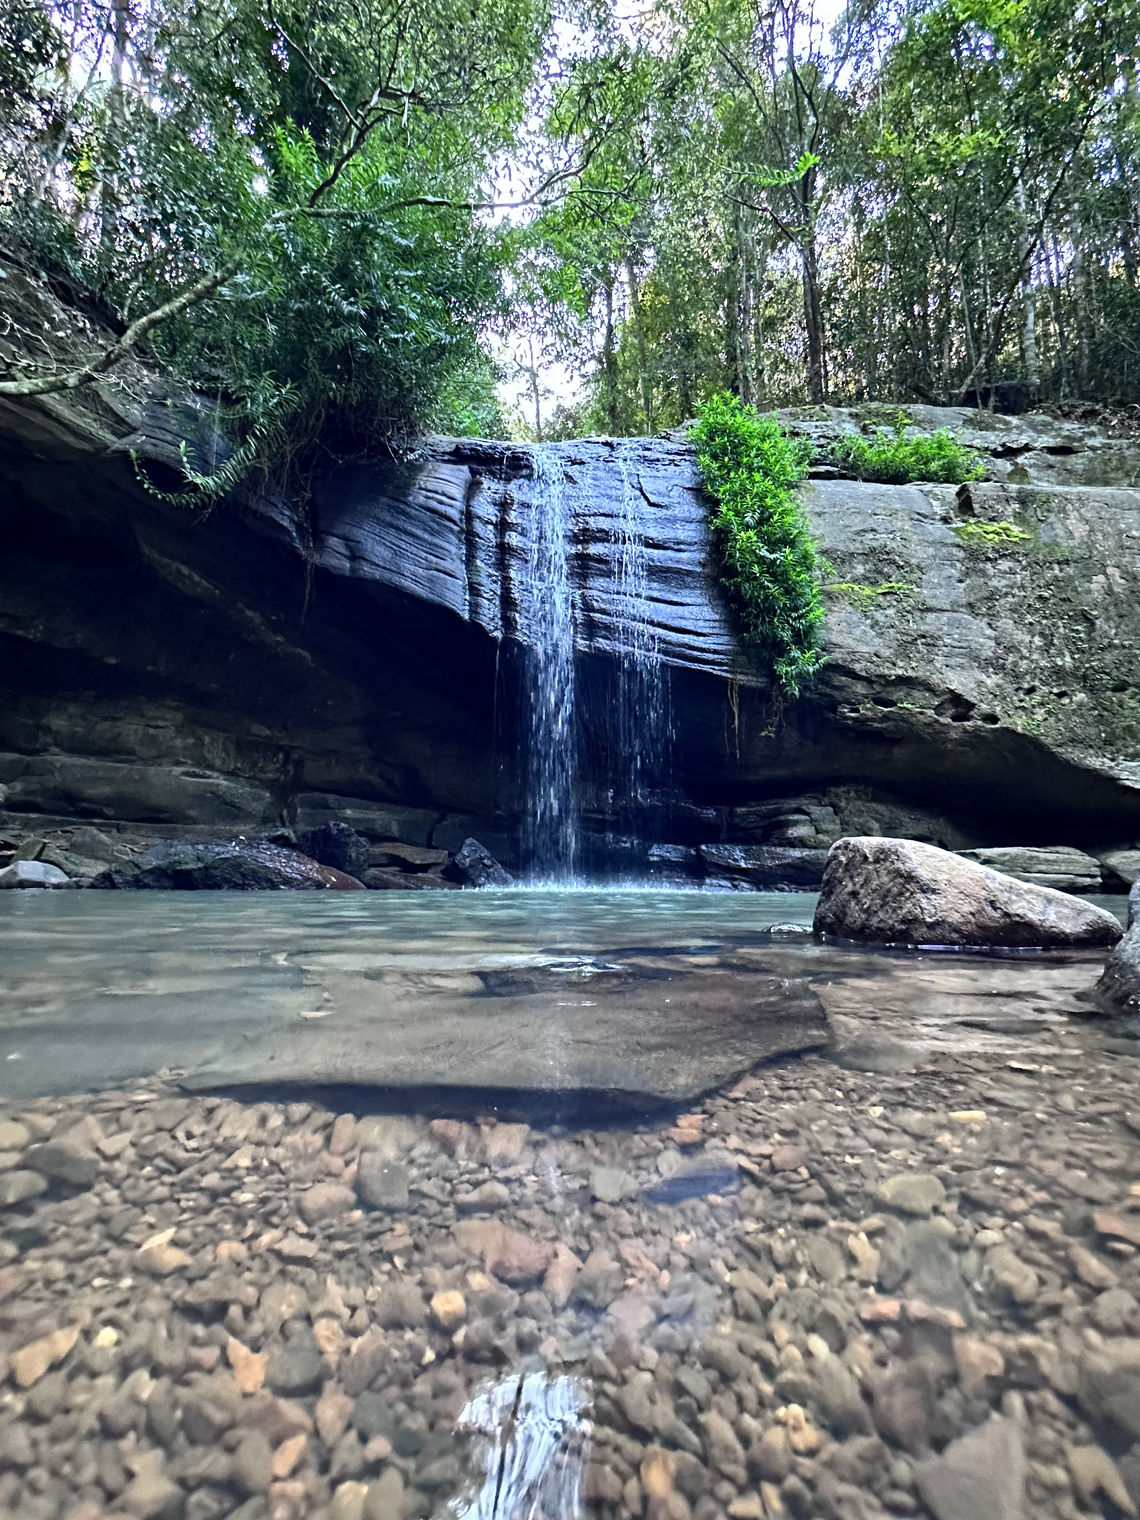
x=32, y=873
x=980, y=1476
x=1060, y=866
x=477, y=867
x=237, y=865
x=765, y=866
x=1122, y=864
x=338, y=845
x=1118, y=990
x=897, y=891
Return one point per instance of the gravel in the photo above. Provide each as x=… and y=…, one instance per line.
x=877, y=1294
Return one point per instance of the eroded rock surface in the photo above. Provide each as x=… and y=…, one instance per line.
x=896, y=891
x=245, y=671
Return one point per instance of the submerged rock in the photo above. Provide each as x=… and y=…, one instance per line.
x=896, y=891
x=237, y=865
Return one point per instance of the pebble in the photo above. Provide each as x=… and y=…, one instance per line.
x=774, y=1349
x=1094, y=1472
x=19, y=1186
x=381, y=1181
x=917, y=1193
x=448, y=1309
x=326, y=1200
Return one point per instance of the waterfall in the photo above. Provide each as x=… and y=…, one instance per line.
x=551, y=814
x=625, y=735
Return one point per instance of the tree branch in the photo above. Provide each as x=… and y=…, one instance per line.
x=46, y=385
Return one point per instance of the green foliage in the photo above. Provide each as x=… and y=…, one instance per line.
x=333, y=152
x=863, y=598
x=769, y=564
x=894, y=457
x=990, y=534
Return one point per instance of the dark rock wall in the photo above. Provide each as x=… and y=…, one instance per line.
x=224, y=672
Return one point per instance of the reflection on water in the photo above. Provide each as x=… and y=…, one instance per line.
x=537, y=1443
x=898, y=1276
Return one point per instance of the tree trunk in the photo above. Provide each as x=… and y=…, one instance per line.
x=535, y=392
x=1028, y=306
x=813, y=322
x=642, y=347
x=113, y=145
x=609, y=361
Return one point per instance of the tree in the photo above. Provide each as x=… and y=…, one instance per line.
x=305, y=176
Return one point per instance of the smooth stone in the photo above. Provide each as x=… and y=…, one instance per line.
x=326, y=1200
x=14, y=1136
x=297, y=1368
x=897, y=891
x=609, y=1184
x=913, y=1193
x=381, y=1182
x=18, y=1187
x=32, y=873
x=980, y=1476
x=65, y=1160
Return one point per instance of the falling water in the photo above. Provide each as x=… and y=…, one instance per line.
x=549, y=612
x=642, y=715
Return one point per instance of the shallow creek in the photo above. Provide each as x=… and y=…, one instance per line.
x=553, y=1204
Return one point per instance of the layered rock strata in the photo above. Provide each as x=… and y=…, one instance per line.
x=362, y=660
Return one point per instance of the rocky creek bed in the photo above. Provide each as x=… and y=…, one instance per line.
x=819, y=1292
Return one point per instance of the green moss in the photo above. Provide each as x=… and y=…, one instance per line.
x=769, y=565
x=863, y=598
x=991, y=533
x=895, y=458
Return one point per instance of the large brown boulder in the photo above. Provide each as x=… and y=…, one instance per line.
x=897, y=891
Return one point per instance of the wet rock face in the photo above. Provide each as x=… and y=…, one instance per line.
x=236, y=865
x=895, y=891
x=229, y=675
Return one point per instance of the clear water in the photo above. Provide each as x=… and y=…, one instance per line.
x=840, y=1283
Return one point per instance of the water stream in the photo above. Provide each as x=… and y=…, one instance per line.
x=552, y=806
x=632, y=762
